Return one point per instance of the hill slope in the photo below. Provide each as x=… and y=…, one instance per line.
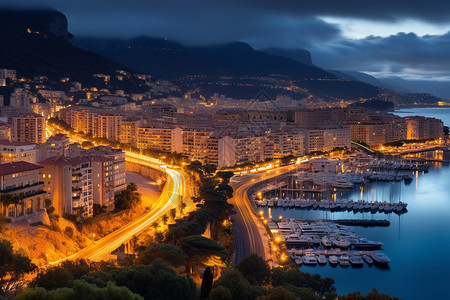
x=37, y=43
x=234, y=69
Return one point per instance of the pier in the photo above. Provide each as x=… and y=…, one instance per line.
x=331, y=205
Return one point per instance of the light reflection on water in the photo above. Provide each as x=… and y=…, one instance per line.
x=418, y=242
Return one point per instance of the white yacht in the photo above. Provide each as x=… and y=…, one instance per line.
x=309, y=260
x=344, y=261
x=322, y=260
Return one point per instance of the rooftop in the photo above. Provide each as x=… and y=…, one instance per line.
x=61, y=160
x=16, y=167
x=9, y=143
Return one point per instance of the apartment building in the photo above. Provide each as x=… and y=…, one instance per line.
x=58, y=145
x=420, y=128
x=379, y=132
x=18, y=151
x=68, y=183
x=102, y=180
x=242, y=149
x=327, y=138
x=28, y=128
x=287, y=142
x=118, y=164
x=129, y=131
x=21, y=192
x=168, y=139
x=107, y=125
x=101, y=123
x=195, y=143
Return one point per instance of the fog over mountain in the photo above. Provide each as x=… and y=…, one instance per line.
x=411, y=41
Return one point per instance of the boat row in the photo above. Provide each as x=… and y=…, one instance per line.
x=388, y=176
x=355, y=259
x=357, y=206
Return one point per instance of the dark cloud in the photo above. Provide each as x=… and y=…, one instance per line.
x=279, y=23
x=434, y=11
x=398, y=54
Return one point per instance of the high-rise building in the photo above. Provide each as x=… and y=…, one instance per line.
x=421, y=128
x=28, y=128
x=68, y=183
x=168, y=139
x=102, y=180
x=129, y=131
x=195, y=143
x=118, y=164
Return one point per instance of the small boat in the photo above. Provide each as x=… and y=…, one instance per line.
x=367, y=259
x=322, y=260
x=298, y=261
x=333, y=260
x=309, y=260
x=356, y=261
x=363, y=243
x=344, y=261
x=326, y=242
x=380, y=258
x=341, y=243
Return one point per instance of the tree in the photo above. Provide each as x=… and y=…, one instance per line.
x=87, y=144
x=173, y=213
x=64, y=274
x=181, y=206
x=80, y=290
x=3, y=222
x=220, y=293
x=202, y=250
x=372, y=295
x=172, y=255
x=297, y=278
x=255, y=269
x=13, y=268
x=238, y=285
x=155, y=281
x=279, y=293
x=127, y=198
x=207, y=282
x=165, y=218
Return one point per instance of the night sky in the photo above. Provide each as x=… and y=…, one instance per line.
x=406, y=38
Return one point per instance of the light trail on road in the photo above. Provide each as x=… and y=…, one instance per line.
x=248, y=230
x=169, y=198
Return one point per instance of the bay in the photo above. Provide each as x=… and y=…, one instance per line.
x=418, y=242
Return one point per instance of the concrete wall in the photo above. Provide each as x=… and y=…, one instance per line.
x=153, y=174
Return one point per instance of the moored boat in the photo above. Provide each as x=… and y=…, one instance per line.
x=333, y=260
x=344, y=261
x=309, y=260
x=363, y=243
x=356, y=261
x=380, y=258
x=322, y=260
x=367, y=259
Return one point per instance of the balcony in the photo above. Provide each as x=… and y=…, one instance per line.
x=22, y=187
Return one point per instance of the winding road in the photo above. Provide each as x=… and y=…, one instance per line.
x=249, y=234
x=172, y=192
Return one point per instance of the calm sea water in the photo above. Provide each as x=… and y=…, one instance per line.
x=418, y=242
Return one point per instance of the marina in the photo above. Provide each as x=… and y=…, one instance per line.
x=408, y=238
x=312, y=242
x=341, y=205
